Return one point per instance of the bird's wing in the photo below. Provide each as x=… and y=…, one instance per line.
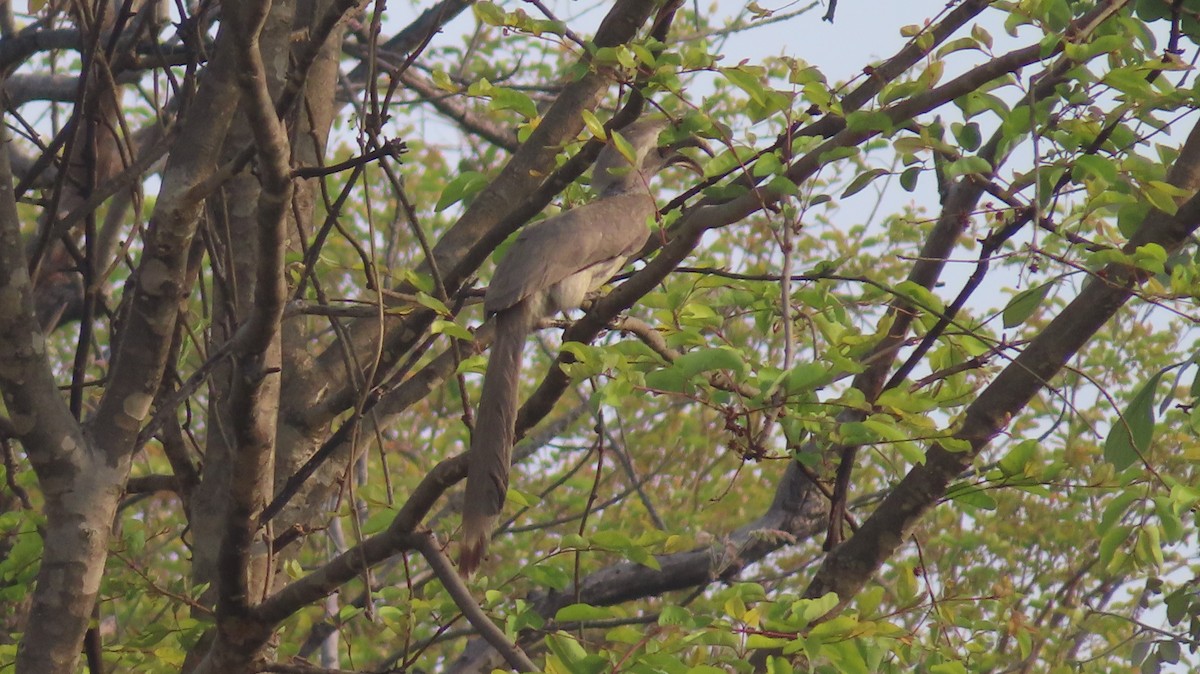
x=555, y=248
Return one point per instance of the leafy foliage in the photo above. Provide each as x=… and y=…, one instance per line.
x=906, y=380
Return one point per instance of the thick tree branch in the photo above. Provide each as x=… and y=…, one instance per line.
x=37, y=414
x=79, y=491
x=141, y=347
x=255, y=390
x=15, y=50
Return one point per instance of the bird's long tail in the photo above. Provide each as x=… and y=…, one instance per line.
x=492, y=439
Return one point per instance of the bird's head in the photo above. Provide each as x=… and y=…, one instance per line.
x=614, y=172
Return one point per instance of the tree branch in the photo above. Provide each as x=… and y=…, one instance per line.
x=445, y=571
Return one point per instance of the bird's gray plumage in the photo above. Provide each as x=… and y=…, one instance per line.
x=550, y=267
x=528, y=269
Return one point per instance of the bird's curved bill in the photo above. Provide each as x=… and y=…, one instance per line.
x=676, y=158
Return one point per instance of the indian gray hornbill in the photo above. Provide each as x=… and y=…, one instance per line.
x=551, y=266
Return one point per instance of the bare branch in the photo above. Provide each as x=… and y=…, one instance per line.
x=444, y=569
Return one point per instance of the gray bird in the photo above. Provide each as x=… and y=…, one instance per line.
x=551, y=267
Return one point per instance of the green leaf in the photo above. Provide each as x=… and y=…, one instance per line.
x=898, y=90
x=463, y=186
x=815, y=608
x=293, y=569
x=1151, y=257
x=862, y=180
x=982, y=36
x=613, y=540
x=975, y=103
x=378, y=521
x=1116, y=509
x=626, y=57
x=547, y=575
x=476, y=363
x=968, y=135
x=756, y=641
x=582, y=613
x=975, y=498
x=574, y=542
x=442, y=326
x=1023, y=304
x=1130, y=436
x=869, y=600
x=430, y=302
x=1177, y=604
x=807, y=376
x=1130, y=81
x=958, y=44
x=1014, y=463
x=706, y=360
x=510, y=99
x=520, y=499
x=1050, y=44
x=624, y=148
x=856, y=433
x=489, y=13
x=644, y=56
x=1111, y=541
x=778, y=665
x=748, y=80
x=668, y=380
x=1090, y=165
x=1161, y=196
x=593, y=124
x=573, y=656
x=869, y=120
x=674, y=615
x=766, y=165
x=1168, y=519
x=1149, y=545
x=1169, y=651
x=908, y=179
x=968, y=165
x=442, y=80
x=1139, y=652
x=919, y=295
